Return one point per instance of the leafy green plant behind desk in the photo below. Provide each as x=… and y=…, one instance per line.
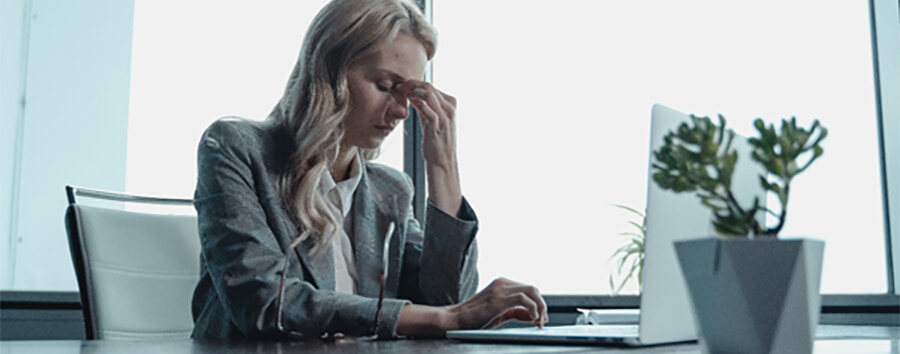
x=629, y=258
x=698, y=157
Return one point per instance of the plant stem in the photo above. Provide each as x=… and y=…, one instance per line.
x=737, y=206
x=781, y=218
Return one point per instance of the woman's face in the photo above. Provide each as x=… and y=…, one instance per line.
x=376, y=106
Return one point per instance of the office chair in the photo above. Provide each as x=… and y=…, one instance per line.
x=136, y=271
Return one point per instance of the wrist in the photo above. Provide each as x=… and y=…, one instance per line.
x=426, y=321
x=440, y=160
x=446, y=318
x=444, y=188
x=448, y=170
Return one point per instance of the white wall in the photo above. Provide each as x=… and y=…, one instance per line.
x=74, y=125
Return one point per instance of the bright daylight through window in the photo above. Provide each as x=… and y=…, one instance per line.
x=555, y=106
x=553, y=116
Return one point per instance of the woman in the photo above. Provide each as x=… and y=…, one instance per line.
x=294, y=218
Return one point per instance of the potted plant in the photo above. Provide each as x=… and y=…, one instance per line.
x=751, y=291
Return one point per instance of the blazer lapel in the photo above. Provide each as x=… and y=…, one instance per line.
x=321, y=268
x=367, y=241
x=373, y=211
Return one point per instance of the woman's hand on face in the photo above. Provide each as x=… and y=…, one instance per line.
x=437, y=113
x=501, y=301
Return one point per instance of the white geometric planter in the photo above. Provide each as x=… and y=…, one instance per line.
x=753, y=296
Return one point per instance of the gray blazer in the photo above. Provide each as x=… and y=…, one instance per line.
x=245, y=235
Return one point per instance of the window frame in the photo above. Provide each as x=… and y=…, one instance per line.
x=885, y=32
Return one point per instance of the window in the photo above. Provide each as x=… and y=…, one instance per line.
x=187, y=64
x=554, y=106
x=543, y=90
x=184, y=76
x=64, y=121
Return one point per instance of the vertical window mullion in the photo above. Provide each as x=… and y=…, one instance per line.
x=413, y=161
x=885, y=56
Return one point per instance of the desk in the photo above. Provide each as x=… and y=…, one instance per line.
x=839, y=339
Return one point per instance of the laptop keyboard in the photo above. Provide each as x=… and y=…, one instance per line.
x=593, y=330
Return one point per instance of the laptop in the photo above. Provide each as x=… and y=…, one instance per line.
x=665, y=315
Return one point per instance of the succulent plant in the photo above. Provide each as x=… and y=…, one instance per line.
x=697, y=157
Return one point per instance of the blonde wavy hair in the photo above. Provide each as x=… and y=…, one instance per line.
x=316, y=100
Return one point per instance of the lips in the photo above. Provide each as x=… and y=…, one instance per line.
x=385, y=129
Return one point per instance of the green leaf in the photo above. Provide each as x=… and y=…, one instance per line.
x=760, y=125
x=637, y=243
x=823, y=133
x=638, y=226
x=632, y=234
x=765, y=183
x=778, y=168
x=709, y=203
x=620, y=206
x=641, y=275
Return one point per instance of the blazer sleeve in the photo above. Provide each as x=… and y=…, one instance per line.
x=440, y=261
x=244, y=258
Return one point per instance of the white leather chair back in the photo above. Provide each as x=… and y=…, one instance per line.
x=138, y=271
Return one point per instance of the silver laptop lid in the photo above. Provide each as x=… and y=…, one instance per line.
x=666, y=314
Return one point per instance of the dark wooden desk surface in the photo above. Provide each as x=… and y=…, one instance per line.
x=838, y=339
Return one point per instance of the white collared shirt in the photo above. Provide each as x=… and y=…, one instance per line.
x=340, y=196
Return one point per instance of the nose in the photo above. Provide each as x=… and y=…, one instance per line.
x=399, y=106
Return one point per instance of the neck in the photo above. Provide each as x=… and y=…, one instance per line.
x=340, y=169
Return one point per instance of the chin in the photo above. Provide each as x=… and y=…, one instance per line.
x=373, y=143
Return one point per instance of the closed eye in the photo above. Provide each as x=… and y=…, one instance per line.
x=383, y=86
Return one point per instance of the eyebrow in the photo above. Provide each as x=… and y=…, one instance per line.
x=393, y=75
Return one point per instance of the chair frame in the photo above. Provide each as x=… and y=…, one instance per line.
x=76, y=245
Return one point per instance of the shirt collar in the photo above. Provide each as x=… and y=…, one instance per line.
x=345, y=188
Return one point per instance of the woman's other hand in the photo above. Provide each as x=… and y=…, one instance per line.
x=437, y=114
x=501, y=301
